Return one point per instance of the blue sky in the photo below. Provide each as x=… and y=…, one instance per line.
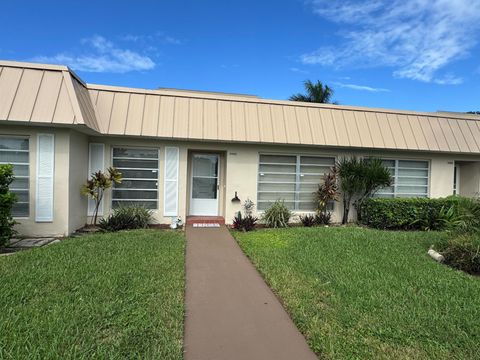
x=407, y=54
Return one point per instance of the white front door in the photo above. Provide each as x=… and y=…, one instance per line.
x=204, y=192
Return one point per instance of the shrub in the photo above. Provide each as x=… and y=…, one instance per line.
x=7, y=199
x=327, y=191
x=463, y=253
x=277, y=215
x=308, y=220
x=244, y=223
x=323, y=218
x=126, y=218
x=409, y=213
x=96, y=186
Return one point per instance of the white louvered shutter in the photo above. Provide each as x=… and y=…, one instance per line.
x=171, y=181
x=45, y=178
x=96, y=159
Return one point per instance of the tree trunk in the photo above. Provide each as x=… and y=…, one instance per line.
x=346, y=210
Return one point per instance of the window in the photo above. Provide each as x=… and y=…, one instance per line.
x=139, y=168
x=292, y=178
x=14, y=150
x=410, y=179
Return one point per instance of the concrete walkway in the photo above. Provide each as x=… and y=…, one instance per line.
x=230, y=311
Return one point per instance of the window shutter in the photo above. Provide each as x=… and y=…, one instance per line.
x=171, y=181
x=45, y=178
x=95, y=163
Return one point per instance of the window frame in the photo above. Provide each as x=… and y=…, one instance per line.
x=157, y=179
x=28, y=138
x=395, y=177
x=297, y=183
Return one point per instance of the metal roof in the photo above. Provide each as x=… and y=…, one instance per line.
x=54, y=94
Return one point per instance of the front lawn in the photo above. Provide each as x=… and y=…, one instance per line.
x=361, y=293
x=107, y=296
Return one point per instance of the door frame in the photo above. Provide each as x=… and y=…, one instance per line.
x=221, y=179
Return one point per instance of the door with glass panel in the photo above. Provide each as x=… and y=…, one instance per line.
x=204, y=184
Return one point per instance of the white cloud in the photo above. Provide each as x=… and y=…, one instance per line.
x=101, y=56
x=418, y=38
x=158, y=36
x=297, y=70
x=360, y=87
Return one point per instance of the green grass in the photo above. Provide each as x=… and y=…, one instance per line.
x=366, y=294
x=107, y=296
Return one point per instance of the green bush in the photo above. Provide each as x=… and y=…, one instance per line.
x=463, y=253
x=411, y=213
x=127, y=218
x=277, y=215
x=7, y=200
x=308, y=220
x=244, y=223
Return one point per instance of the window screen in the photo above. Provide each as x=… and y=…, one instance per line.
x=291, y=178
x=139, y=168
x=15, y=151
x=411, y=179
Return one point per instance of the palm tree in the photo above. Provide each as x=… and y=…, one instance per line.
x=316, y=92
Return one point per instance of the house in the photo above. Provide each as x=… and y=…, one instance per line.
x=187, y=153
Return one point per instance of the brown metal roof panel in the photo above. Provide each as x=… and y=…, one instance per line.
x=150, y=115
x=135, y=114
x=417, y=130
x=64, y=113
x=22, y=107
x=467, y=134
x=86, y=106
x=118, y=117
x=475, y=129
x=304, y=128
x=354, y=137
x=265, y=123
x=291, y=125
x=166, y=116
x=363, y=127
x=397, y=131
x=439, y=134
x=340, y=127
x=104, y=104
x=195, y=119
x=371, y=123
x=428, y=133
x=224, y=120
x=251, y=122
x=9, y=81
x=210, y=120
x=47, y=97
x=278, y=124
x=450, y=138
x=407, y=132
x=316, y=126
x=386, y=131
x=457, y=133
x=180, y=119
x=326, y=122
x=238, y=121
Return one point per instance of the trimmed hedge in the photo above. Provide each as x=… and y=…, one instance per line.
x=7, y=200
x=405, y=213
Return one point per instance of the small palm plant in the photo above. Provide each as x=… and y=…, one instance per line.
x=96, y=186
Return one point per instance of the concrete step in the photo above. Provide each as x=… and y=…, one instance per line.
x=205, y=220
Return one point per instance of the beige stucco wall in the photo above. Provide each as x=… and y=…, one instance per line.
x=469, y=182
x=59, y=225
x=77, y=175
x=241, y=169
x=240, y=173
